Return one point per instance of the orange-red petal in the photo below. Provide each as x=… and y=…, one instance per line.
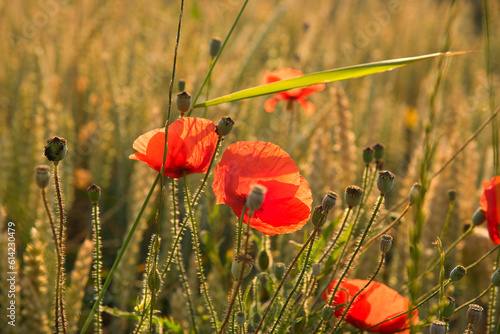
x=490, y=203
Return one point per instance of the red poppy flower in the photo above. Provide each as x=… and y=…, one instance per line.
x=490, y=202
x=296, y=94
x=375, y=304
x=191, y=145
x=287, y=203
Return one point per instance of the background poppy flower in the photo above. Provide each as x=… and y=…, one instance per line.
x=376, y=303
x=296, y=94
x=191, y=145
x=287, y=203
x=490, y=202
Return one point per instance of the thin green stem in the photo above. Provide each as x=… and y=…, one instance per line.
x=330, y=248
x=240, y=227
x=475, y=299
x=204, y=182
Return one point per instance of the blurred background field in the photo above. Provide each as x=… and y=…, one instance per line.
x=97, y=73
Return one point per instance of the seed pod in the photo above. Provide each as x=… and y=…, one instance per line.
x=183, y=102
x=458, y=273
x=241, y=318
x=353, y=196
x=42, y=176
x=437, y=327
x=237, y=265
x=55, y=149
x=255, y=197
x=379, y=151
x=479, y=217
x=368, y=155
x=329, y=201
x=327, y=312
x=385, y=243
x=94, y=192
x=474, y=314
x=215, y=45
x=385, y=181
x=415, y=195
x=225, y=126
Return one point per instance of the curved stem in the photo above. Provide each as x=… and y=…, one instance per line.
x=325, y=254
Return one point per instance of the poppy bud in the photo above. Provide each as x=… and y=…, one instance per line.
x=154, y=281
x=55, y=149
x=215, y=44
x=42, y=176
x=241, y=318
x=237, y=265
x=94, y=192
x=316, y=269
x=449, y=308
x=329, y=201
x=368, y=155
x=183, y=102
x=452, y=194
x=386, y=243
x=495, y=278
x=181, y=85
x=415, y=193
x=327, y=312
x=379, y=151
x=225, y=126
x=474, y=313
x=479, y=217
x=279, y=270
x=256, y=318
x=437, y=327
x=458, y=273
x=317, y=214
x=263, y=260
x=353, y=196
x=255, y=197
x=250, y=329
x=385, y=181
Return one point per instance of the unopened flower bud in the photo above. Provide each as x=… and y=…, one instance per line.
x=449, y=308
x=239, y=261
x=495, y=278
x=368, y=155
x=317, y=215
x=452, y=194
x=225, y=126
x=327, y=312
x=255, y=197
x=415, y=193
x=479, y=217
x=183, y=102
x=256, y=318
x=263, y=260
x=385, y=181
x=316, y=269
x=458, y=273
x=94, y=192
x=154, y=281
x=353, y=196
x=249, y=329
x=55, y=149
x=181, y=85
x=241, y=318
x=279, y=270
x=379, y=151
x=386, y=243
x=329, y=201
x=42, y=176
x=437, y=327
x=474, y=313
x=215, y=44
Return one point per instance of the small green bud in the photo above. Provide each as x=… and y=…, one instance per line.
x=279, y=270
x=327, y=312
x=415, y=195
x=379, y=151
x=474, y=313
x=495, y=278
x=181, y=85
x=452, y=194
x=458, y=273
x=225, y=126
x=250, y=329
x=353, y=196
x=316, y=269
x=256, y=318
x=368, y=155
x=94, y=192
x=239, y=261
x=255, y=197
x=385, y=181
x=55, y=149
x=437, y=327
x=183, y=102
x=263, y=260
x=317, y=215
x=241, y=318
x=479, y=217
x=385, y=243
x=449, y=308
x=329, y=201
x=154, y=281
x=215, y=44
x=42, y=176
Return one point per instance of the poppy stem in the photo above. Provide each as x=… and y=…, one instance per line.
x=330, y=248
x=204, y=182
x=289, y=269
x=240, y=227
x=97, y=266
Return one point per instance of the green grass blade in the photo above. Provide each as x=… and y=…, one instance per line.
x=322, y=77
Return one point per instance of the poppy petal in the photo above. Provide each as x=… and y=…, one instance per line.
x=270, y=104
x=307, y=106
x=490, y=203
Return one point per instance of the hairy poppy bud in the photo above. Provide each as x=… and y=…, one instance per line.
x=329, y=201
x=55, y=149
x=479, y=217
x=255, y=197
x=449, y=308
x=94, y=193
x=225, y=126
x=437, y=327
x=237, y=265
x=353, y=196
x=327, y=312
x=415, y=193
x=263, y=260
x=215, y=44
x=42, y=176
x=458, y=273
x=474, y=313
x=386, y=243
x=279, y=270
x=368, y=155
x=495, y=278
x=256, y=318
x=379, y=151
x=183, y=102
x=452, y=194
x=241, y=318
x=385, y=181
x=181, y=85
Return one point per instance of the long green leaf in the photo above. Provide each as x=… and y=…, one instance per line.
x=322, y=77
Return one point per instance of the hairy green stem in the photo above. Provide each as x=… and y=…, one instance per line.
x=330, y=248
x=97, y=241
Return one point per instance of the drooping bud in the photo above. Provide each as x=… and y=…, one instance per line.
x=181, y=85
x=241, y=318
x=225, y=126
x=386, y=243
x=239, y=261
x=415, y=195
x=449, y=308
x=368, y=155
x=452, y=194
x=255, y=197
x=379, y=151
x=94, y=192
x=154, y=281
x=474, y=314
x=279, y=270
x=385, y=181
x=437, y=327
x=42, y=176
x=215, y=44
x=317, y=215
x=316, y=269
x=479, y=217
x=495, y=278
x=353, y=196
x=327, y=312
x=55, y=149
x=263, y=260
x=329, y=201
x=183, y=102
x=458, y=273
